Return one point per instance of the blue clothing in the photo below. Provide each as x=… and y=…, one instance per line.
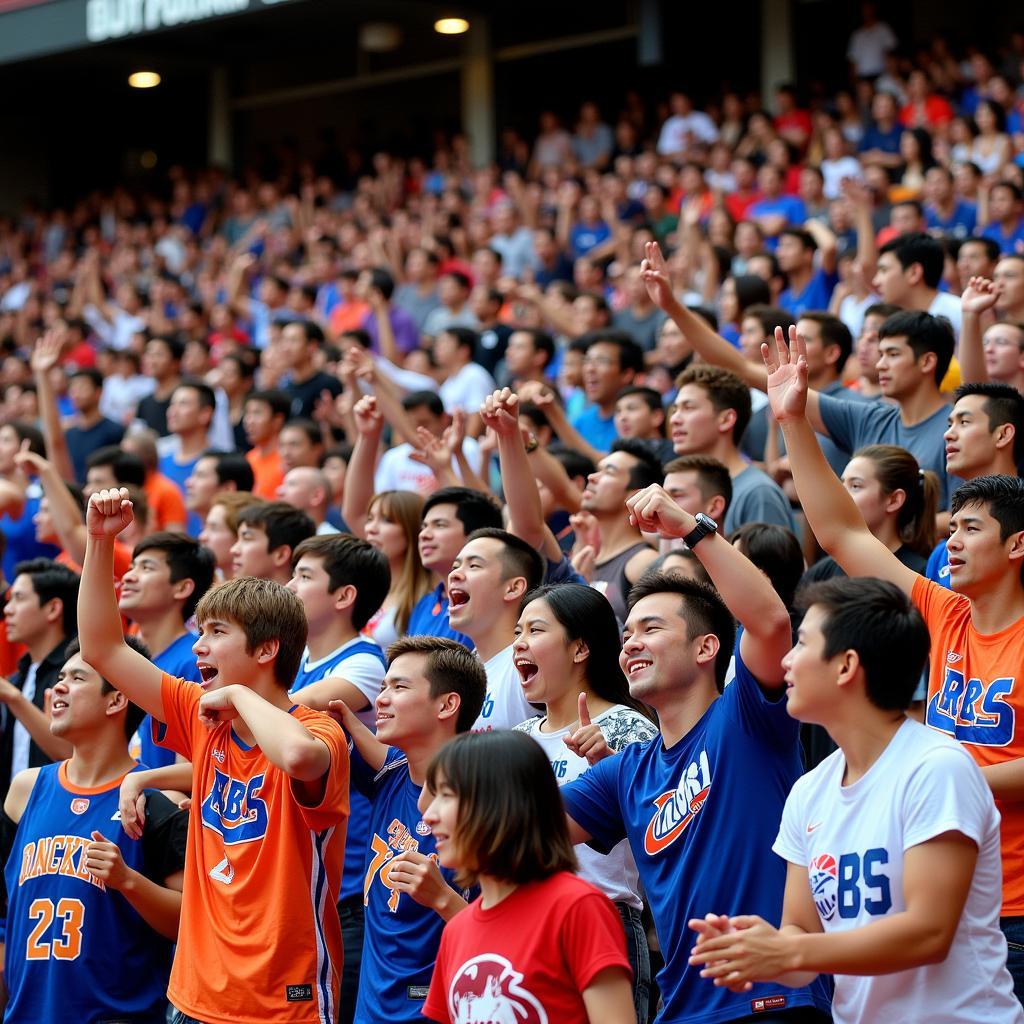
x=362, y=663
x=700, y=818
x=176, y=471
x=598, y=430
x=176, y=660
x=960, y=224
x=886, y=141
x=816, y=294
x=402, y=937
x=430, y=618
x=938, y=565
x=790, y=207
x=20, y=535
x=1013, y=242
x=584, y=237
x=82, y=442
x=93, y=958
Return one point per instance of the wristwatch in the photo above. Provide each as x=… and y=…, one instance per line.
x=532, y=444
x=705, y=525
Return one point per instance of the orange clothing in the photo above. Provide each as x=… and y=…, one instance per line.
x=122, y=560
x=975, y=695
x=260, y=937
x=347, y=316
x=268, y=471
x=10, y=652
x=166, y=502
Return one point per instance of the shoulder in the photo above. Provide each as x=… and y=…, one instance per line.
x=623, y=726
x=19, y=792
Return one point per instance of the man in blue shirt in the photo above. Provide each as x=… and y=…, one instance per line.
x=700, y=804
x=1006, y=221
x=611, y=362
x=943, y=212
x=775, y=210
x=807, y=286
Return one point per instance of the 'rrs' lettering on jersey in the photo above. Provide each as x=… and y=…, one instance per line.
x=234, y=810
x=973, y=711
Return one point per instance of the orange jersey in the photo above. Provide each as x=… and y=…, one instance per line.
x=268, y=471
x=975, y=692
x=260, y=938
x=166, y=502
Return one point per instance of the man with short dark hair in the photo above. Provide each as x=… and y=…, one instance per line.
x=161, y=360
x=528, y=356
x=265, y=415
x=612, y=360
x=976, y=257
x=908, y=274
x=112, y=466
x=1006, y=216
x=89, y=428
x=214, y=472
x=1008, y=278
x=189, y=416
x=639, y=413
x=268, y=534
x=465, y=383
x=299, y=344
x=377, y=286
x=807, y=287
x=453, y=290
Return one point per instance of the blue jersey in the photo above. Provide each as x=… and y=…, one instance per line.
x=76, y=951
x=179, y=661
x=701, y=817
x=430, y=618
x=402, y=937
x=938, y=565
x=363, y=664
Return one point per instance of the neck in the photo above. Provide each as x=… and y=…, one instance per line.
x=945, y=206
x=921, y=298
x=300, y=374
x=493, y=891
x=726, y=453
x=100, y=758
x=420, y=752
x=864, y=737
x=88, y=418
x=888, y=533
x=999, y=604
x=165, y=387
x=824, y=378
x=502, y=633
x=1001, y=465
x=918, y=406
x=799, y=278
x=193, y=443
x=616, y=534
x=41, y=647
x=685, y=711
x=159, y=634
x=330, y=640
x=607, y=408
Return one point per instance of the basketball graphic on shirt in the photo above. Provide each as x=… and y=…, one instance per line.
x=823, y=874
x=488, y=990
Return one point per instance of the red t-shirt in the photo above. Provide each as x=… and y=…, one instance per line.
x=529, y=958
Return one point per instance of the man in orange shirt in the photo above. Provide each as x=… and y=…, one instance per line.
x=977, y=630
x=166, y=502
x=260, y=937
x=265, y=415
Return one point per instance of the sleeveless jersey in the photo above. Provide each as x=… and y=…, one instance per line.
x=75, y=949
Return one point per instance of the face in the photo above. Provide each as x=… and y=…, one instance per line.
x=445, y=349
x=250, y=554
x=77, y=704
x=810, y=332
x=185, y=413
x=810, y=678
x=899, y=372
x=603, y=376
x=296, y=448
x=98, y=478
x=792, y=255
x=146, y=588
x=258, y=423
x=301, y=489
x=441, y=813
x=519, y=354
x=1001, y=204
x=26, y=620
x=673, y=347
x=309, y=583
x=978, y=559
x=635, y=418
x=441, y=538
x=684, y=489
x=1008, y=279
x=694, y=425
x=751, y=336
x=221, y=655
x=218, y=536
x=293, y=346
x=157, y=361
x=890, y=280
x=384, y=534
x=543, y=654
x=477, y=589
x=202, y=485
x=84, y=395
x=608, y=488
x=404, y=707
x=658, y=656
x=42, y=521
x=860, y=478
x=867, y=348
x=1004, y=352
x=973, y=261
x=969, y=439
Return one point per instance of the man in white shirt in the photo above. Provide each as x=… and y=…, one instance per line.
x=685, y=127
x=894, y=877
x=869, y=44
x=465, y=384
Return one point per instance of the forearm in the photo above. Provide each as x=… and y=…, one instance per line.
x=369, y=748
x=65, y=513
x=971, y=354
x=38, y=726
x=470, y=477
x=355, y=502
x=283, y=740
x=526, y=517
x=176, y=777
x=99, y=622
x=53, y=433
x=551, y=473
x=386, y=336
x=157, y=905
x=1006, y=780
x=570, y=436
x=391, y=409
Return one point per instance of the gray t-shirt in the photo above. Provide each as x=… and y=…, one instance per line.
x=853, y=425
x=757, y=498
x=643, y=330
x=419, y=307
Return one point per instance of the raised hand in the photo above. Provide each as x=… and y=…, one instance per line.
x=109, y=512
x=588, y=740
x=30, y=462
x=979, y=295
x=369, y=420
x=786, y=363
x=654, y=272
x=500, y=412
x=654, y=510
x=431, y=451
x=455, y=433
x=46, y=352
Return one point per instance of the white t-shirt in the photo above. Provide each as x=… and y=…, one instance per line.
x=674, y=132
x=365, y=671
x=466, y=389
x=382, y=628
x=833, y=172
x=21, y=741
x=852, y=840
x=614, y=873
x=504, y=704
x=396, y=471
x=948, y=306
x=868, y=47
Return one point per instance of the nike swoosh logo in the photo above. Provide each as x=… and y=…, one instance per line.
x=811, y=828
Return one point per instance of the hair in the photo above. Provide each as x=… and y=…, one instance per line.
x=134, y=715
x=382, y=280
x=647, y=469
x=631, y=355
x=924, y=333
x=585, y=614
x=713, y=477
x=878, y=621
x=724, y=390
x=126, y=467
x=91, y=374
x=1002, y=495
x=234, y=502
x=776, y=551
x=175, y=346
x=232, y=467
x=350, y=561
x=265, y=611
x=32, y=434
x=882, y=309
x=405, y=509
x=896, y=469
x=313, y=332
x=308, y=427
x=918, y=248
x=804, y=237
x=542, y=342
x=1013, y=189
x=751, y=291
x=187, y=559
x=280, y=403
x=770, y=317
x=650, y=397
x=450, y=668
x=207, y=397
x=511, y=823
x=517, y=557
x=281, y=522
x=473, y=509
x=573, y=462
x=429, y=400
x=1003, y=404
x=996, y=111
x=52, y=580
x=699, y=572
x=990, y=245
x=833, y=332
x=465, y=338
x=702, y=609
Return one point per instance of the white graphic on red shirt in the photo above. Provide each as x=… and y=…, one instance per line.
x=488, y=990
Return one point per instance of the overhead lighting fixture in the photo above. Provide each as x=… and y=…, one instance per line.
x=379, y=37
x=451, y=26
x=143, y=79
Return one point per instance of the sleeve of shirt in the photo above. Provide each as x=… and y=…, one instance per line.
x=789, y=843
x=363, y=777
x=365, y=672
x=626, y=726
x=945, y=793
x=847, y=422
x=592, y=939
x=592, y=801
x=756, y=714
x=764, y=504
x=163, y=838
x=181, y=714
x=333, y=805
x=934, y=601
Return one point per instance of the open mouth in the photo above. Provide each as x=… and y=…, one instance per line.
x=457, y=598
x=383, y=718
x=527, y=669
x=207, y=673
x=58, y=706
x=637, y=665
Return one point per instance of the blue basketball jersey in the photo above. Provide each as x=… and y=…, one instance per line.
x=701, y=817
x=363, y=664
x=176, y=660
x=76, y=951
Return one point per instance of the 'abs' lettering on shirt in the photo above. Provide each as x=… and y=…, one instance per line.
x=973, y=711
x=233, y=809
x=56, y=855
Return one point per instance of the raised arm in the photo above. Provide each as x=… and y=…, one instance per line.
x=64, y=510
x=237, y=299
x=748, y=593
x=831, y=513
x=370, y=749
x=978, y=298
x=355, y=502
x=45, y=356
x=35, y=721
x=543, y=396
x=858, y=195
x=828, y=244
x=99, y=622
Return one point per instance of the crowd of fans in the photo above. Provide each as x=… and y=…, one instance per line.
x=311, y=438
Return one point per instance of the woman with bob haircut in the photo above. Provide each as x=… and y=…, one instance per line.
x=539, y=943
x=567, y=654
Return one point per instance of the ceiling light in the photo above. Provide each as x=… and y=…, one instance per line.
x=451, y=26
x=143, y=79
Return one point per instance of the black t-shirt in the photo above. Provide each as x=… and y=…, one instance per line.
x=164, y=837
x=82, y=442
x=829, y=568
x=153, y=412
x=304, y=394
x=490, y=350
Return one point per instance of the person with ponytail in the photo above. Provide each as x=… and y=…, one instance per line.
x=567, y=654
x=539, y=943
x=898, y=501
